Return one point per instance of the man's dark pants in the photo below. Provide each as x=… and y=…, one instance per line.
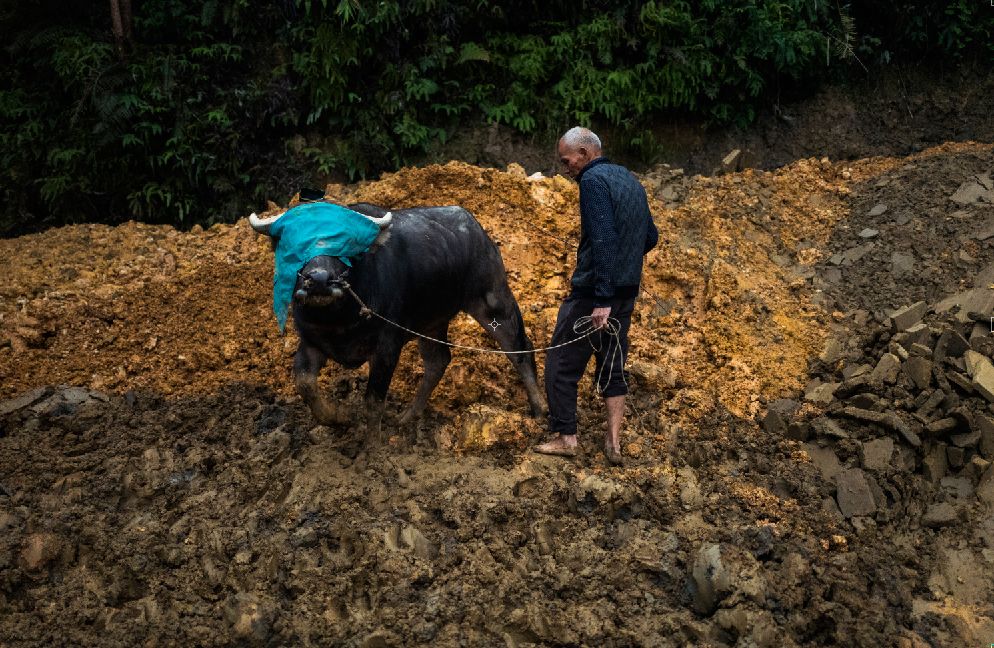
x=565, y=366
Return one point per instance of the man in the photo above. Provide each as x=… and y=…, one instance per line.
x=616, y=231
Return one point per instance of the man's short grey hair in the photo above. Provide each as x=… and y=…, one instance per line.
x=579, y=136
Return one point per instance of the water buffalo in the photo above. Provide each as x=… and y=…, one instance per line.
x=427, y=264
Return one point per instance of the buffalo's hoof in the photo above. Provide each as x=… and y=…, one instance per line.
x=330, y=416
x=409, y=416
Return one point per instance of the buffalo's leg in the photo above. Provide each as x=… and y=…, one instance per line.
x=436, y=358
x=381, y=368
x=306, y=366
x=498, y=313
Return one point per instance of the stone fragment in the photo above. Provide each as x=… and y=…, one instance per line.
x=855, y=385
x=933, y=401
x=986, y=427
x=24, y=400
x=876, y=454
x=822, y=394
x=798, y=431
x=934, y=465
x=904, y=318
x=710, y=580
x=657, y=376
x=898, y=350
x=690, y=489
x=831, y=275
x=977, y=300
x=905, y=459
x=985, y=231
x=824, y=459
x=985, y=488
x=853, y=493
x=972, y=192
x=973, y=361
x=920, y=350
x=852, y=371
x=955, y=456
x=786, y=406
x=867, y=401
x=832, y=352
x=774, y=423
x=956, y=487
x=889, y=420
x=939, y=515
x=919, y=370
x=949, y=399
x=943, y=425
x=886, y=370
x=877, y=210
x=915, y=334
x=978, y=332
x=861, y=414
x=956, y=345
x=868, y=233
x=983, y=379
x=961, y=381
x=826, y=427
x=975, y=468
x=856, y=253
x=966, y=440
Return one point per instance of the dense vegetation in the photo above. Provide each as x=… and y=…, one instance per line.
x=183, y=111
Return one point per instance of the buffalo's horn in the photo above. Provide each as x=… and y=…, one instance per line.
x=382, y=222
x=262, y=225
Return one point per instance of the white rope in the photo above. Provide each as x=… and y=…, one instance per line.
x=583, y=326
x=613, y=329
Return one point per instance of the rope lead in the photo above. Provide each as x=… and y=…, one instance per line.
x=583, y=327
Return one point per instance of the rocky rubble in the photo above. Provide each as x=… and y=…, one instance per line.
x=913, y=394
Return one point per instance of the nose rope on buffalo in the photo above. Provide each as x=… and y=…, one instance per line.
x=583, y=327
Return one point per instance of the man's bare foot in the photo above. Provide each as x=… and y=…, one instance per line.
x=613, y=455
x=563, y=445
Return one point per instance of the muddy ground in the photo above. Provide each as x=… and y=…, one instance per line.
x=161, y=484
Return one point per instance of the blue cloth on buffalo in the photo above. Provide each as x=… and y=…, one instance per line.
x=310, y=230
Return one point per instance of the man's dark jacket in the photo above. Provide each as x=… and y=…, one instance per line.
x=616, y=231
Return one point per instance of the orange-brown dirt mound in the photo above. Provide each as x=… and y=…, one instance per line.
x=186, y=497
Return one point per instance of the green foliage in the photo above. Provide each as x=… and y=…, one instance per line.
x=219, y=104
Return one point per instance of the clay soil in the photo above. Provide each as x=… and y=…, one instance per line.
x=182, y=495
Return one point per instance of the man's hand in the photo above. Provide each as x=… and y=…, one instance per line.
x=599, y=316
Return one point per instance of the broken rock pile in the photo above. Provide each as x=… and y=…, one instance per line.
x=900, y=416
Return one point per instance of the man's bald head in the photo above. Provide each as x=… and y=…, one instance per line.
x=577, y=147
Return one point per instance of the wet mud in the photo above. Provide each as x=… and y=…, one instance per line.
x=162, y=484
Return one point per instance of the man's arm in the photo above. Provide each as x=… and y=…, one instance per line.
x=651, y=235
x=598, y=211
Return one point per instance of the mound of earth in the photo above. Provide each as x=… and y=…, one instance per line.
x=160, y=482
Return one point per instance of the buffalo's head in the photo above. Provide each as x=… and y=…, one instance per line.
x=323, y=279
